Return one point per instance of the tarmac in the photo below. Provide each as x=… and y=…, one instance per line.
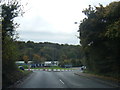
x=99, y=79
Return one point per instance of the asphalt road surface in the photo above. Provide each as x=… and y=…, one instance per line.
x=45, y=79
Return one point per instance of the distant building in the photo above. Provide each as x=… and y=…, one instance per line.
x=51, y=63
x=68, y=65
x=46, y=63
x=23, y=63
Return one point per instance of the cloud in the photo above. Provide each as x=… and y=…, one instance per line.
x=53, y=20
x=42, y=36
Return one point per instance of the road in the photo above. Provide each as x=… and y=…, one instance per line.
x=66, y=79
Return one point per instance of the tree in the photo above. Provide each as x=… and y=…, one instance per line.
x=10, y=10
x=25, y=58
x=50, y=51
x=38, y=59
x=100, y=37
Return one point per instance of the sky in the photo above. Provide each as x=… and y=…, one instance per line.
x=53, y=20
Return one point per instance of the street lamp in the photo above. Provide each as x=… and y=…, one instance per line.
x=76, y=23
x=78, y=31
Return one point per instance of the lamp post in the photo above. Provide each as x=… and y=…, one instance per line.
x=75, y=22
x=78, y=30
x=53, y=56
x=29, y=58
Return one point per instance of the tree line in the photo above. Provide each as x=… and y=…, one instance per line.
x=46, y=51
x=100, y=39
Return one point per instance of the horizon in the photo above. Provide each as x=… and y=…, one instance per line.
x=48, y=42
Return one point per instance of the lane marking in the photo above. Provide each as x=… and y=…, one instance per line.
x=61, y=81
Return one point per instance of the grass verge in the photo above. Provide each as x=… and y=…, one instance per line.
x=106, y=76
x=11, y=78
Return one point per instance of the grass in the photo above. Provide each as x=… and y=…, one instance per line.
x=53, y=67
x=13, y=77
x=107, y=76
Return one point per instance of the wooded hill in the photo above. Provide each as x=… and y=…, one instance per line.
x=40, y=52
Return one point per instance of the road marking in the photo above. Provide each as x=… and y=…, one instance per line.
x=61, y=81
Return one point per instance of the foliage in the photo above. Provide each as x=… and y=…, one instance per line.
x=46, y=51
x=10, y=10
x=100, y=37
x=25, y=58
x=38, y=59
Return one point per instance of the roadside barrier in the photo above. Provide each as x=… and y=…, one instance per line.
x=50, y=70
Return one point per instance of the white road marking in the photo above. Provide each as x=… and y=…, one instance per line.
x=61, y=81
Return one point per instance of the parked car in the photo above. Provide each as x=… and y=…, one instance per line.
x=67, y=66
x=33, y=66
x=21, y=67
x=83, y=67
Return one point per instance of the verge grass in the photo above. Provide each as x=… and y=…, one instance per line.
x=106, y=76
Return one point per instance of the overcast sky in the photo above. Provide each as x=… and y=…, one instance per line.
x=53, y=20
